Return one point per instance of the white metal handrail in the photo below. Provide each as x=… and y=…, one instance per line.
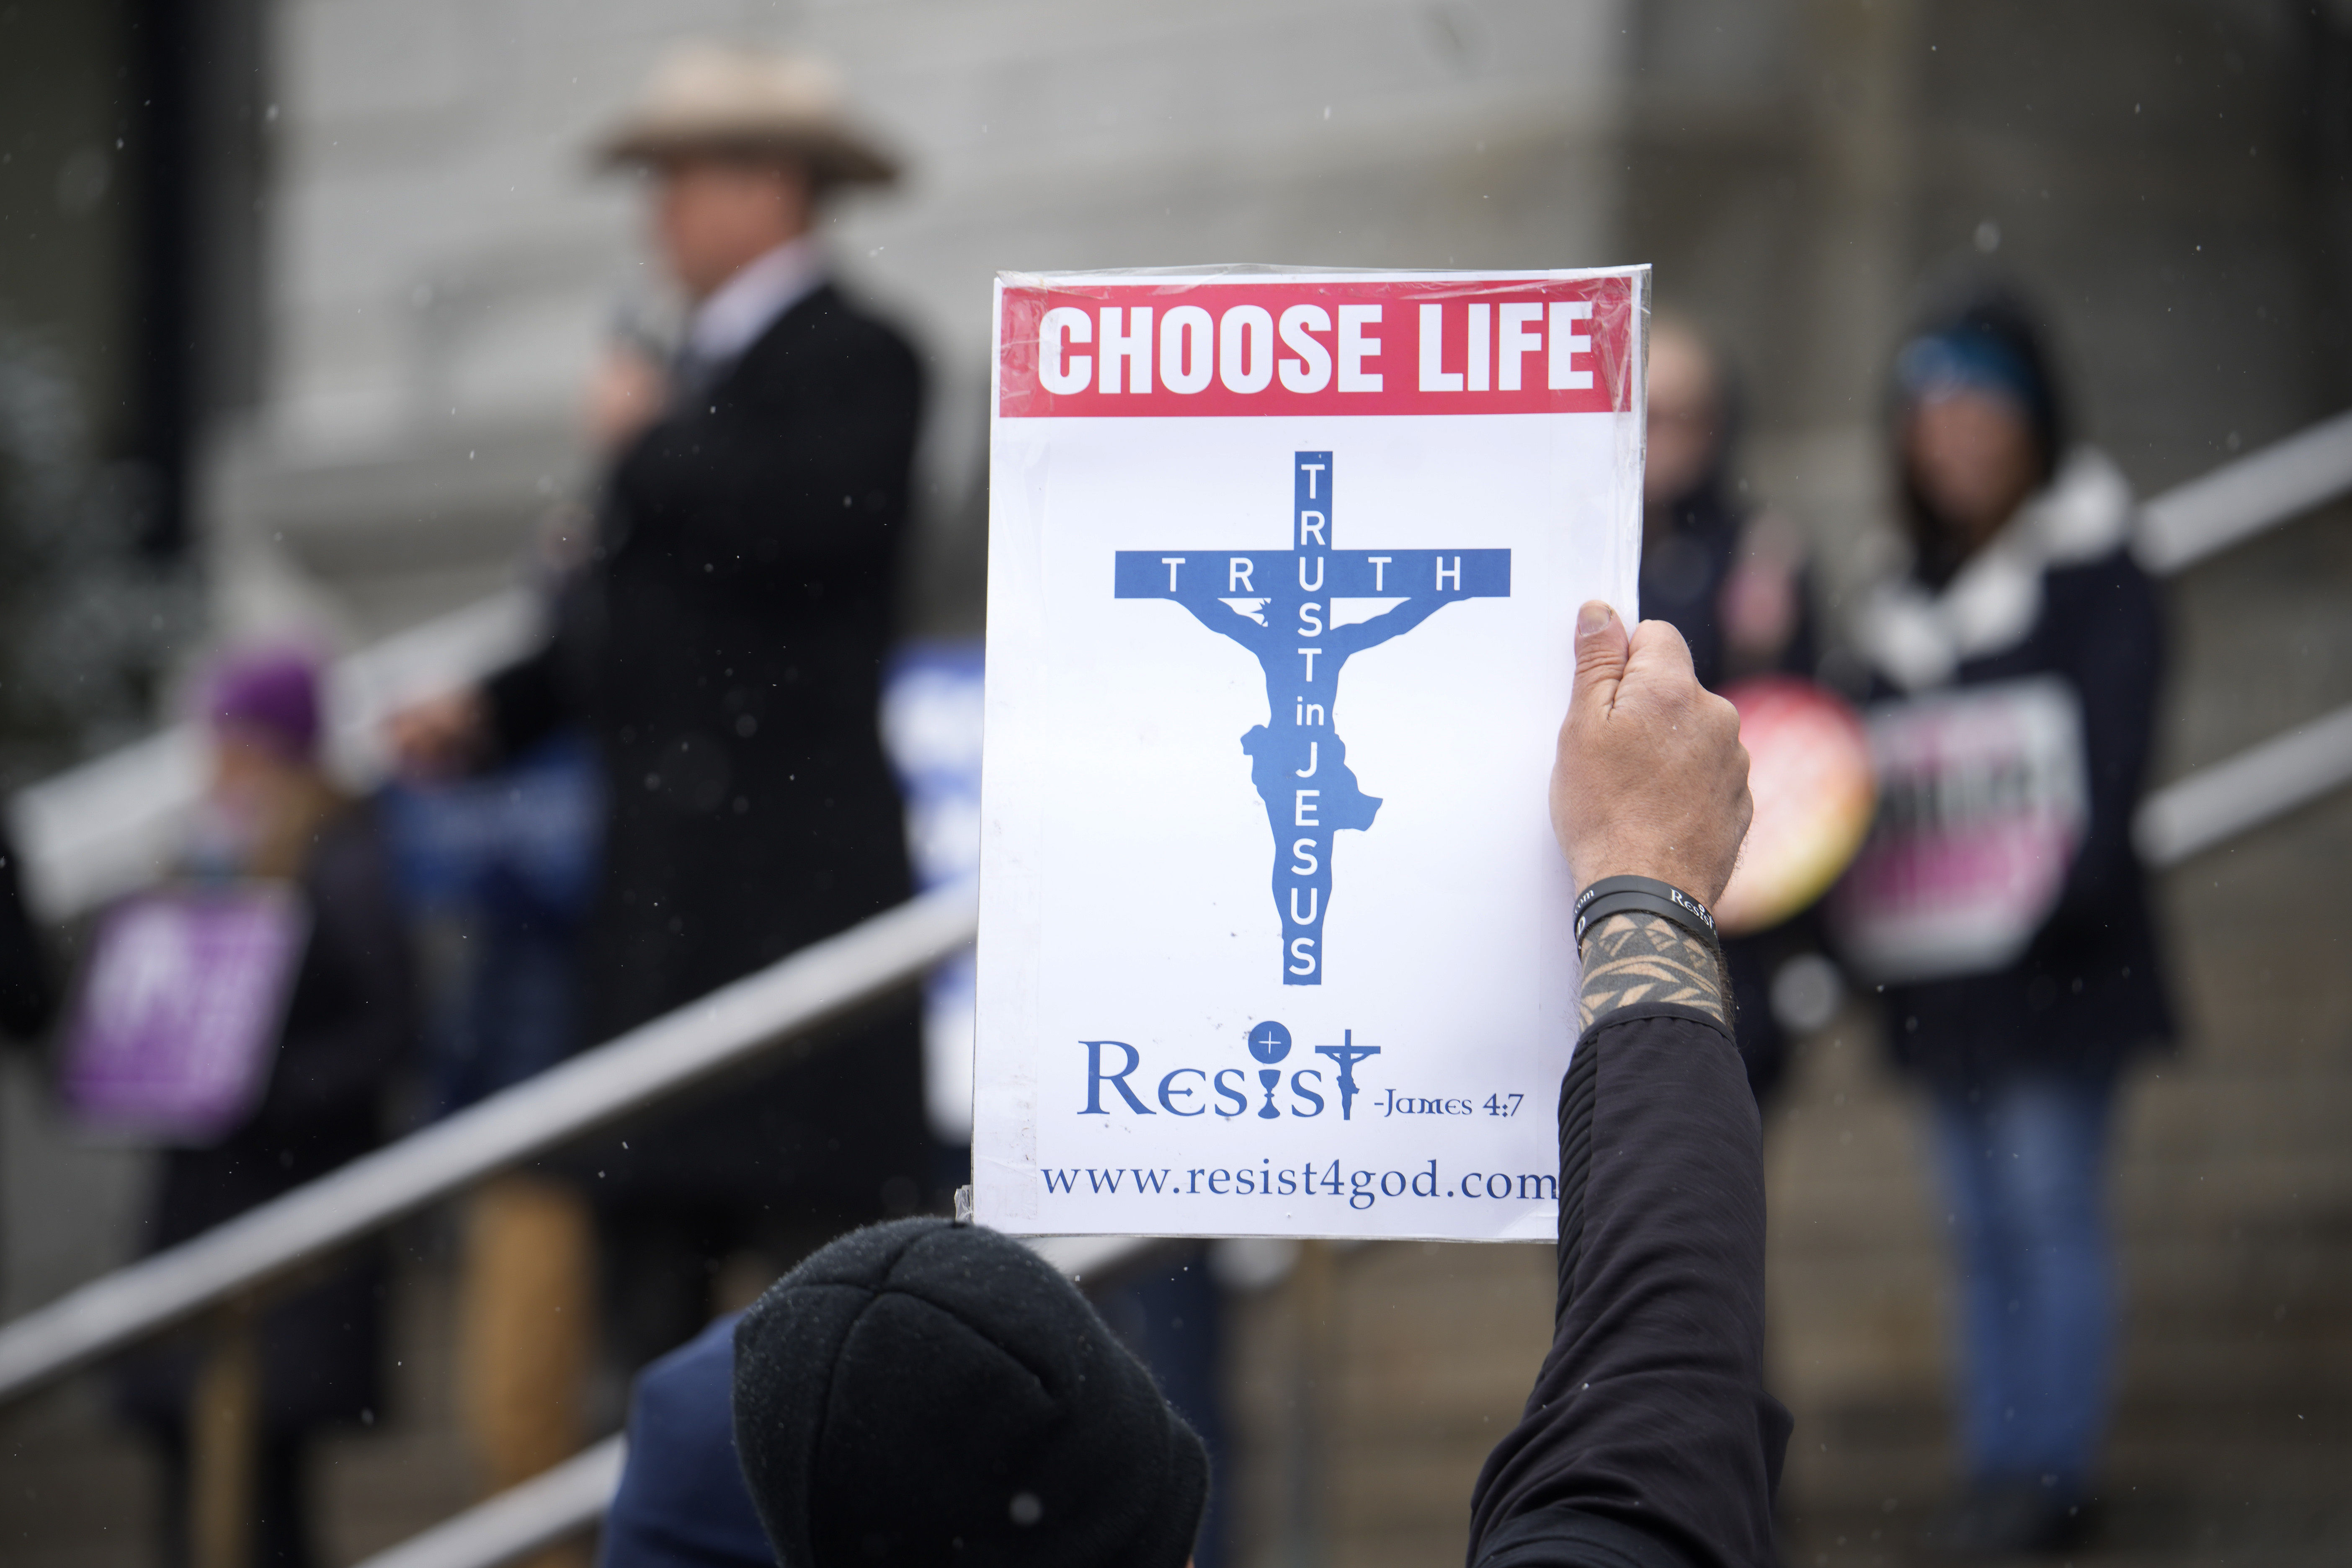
x=2241, y=499
x=729, y=1026
x=549, y=1507
x=2215, y=803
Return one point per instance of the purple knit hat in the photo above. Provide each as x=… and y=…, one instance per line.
x=271, y=694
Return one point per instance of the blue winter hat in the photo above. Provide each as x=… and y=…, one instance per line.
x=1941, y=365
x=1990, y=344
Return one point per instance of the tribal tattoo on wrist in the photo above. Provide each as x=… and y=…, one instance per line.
x=1631, y=958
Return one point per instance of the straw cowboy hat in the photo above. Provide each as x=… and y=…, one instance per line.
x=706, y=98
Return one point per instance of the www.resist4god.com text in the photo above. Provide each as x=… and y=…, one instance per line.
x=1359, y=1189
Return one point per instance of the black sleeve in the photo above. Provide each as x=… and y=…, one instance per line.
x=1648, y=1441
x=530, y=700
x=2116, y=659
x=26, y=997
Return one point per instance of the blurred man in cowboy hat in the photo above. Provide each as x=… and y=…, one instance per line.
x=743, y=145
x=722, y=647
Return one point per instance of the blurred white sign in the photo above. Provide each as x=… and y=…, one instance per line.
x=1982, y=800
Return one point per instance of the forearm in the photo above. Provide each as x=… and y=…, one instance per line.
x=1634, y=960
x=1648, y=1436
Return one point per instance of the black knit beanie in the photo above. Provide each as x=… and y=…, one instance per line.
x=925, y=1393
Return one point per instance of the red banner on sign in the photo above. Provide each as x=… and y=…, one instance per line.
x=1207, y=347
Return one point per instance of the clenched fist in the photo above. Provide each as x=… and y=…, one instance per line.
x=1650, y=779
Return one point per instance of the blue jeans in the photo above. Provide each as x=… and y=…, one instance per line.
x=2024, y=1165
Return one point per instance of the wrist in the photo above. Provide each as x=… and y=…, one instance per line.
x=1606, y=896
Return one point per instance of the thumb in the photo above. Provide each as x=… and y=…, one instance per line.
x=1600, y=654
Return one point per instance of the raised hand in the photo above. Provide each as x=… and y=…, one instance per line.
x=1650, y=779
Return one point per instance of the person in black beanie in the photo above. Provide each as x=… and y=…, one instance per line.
x=920, y=1393
x=914, y=1391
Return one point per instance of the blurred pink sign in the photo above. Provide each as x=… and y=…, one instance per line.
x=175, y=1028
x=1981, y=804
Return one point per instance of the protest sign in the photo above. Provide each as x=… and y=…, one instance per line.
x=1983, y=798
x=175, y=1026
x=1283, y=580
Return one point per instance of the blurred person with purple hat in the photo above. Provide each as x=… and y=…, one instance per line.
x=2024, y=643
x=271, y=816
x=268, y=698
x=267, y=791
x=722, y=648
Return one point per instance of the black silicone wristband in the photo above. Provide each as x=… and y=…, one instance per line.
x=1642, y=895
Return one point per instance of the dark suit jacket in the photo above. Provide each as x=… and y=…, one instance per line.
x=723, y=650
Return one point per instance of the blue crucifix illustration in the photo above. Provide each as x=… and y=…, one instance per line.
x=1304, y=612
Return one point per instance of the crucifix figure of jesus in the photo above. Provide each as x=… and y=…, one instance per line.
x=1304, y=612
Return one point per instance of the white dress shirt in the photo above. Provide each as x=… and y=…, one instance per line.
x=732, y=318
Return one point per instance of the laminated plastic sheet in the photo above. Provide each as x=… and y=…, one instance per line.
x=1283, y=579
